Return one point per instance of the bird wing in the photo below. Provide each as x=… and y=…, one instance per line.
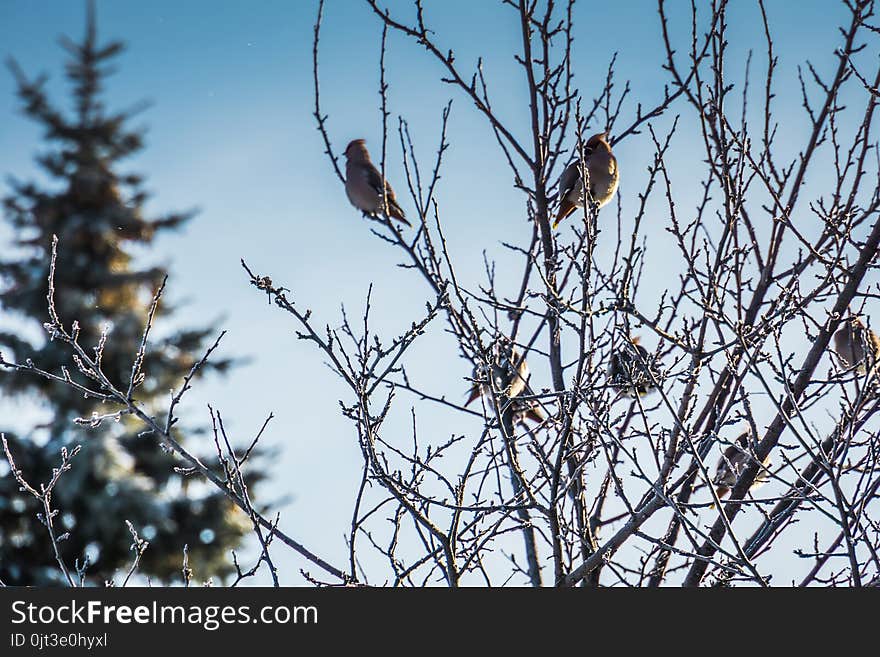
x=566, y=185
x=726, y=470
x=377, y=184
x=374, y=180
x=568, y=179
x=843, y=346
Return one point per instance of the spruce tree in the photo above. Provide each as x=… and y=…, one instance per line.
x=96, y=210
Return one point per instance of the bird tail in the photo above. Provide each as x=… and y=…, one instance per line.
x=535, y=415
x=474, y=394
x=397, y=212
x=565, y=209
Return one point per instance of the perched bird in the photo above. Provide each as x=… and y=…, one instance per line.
x=365, y=187
x=633, y=370
x=733, y=463
x=601, y=167
x=856, y=345
x=505, y=375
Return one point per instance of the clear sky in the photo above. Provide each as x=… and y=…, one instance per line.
x=231, y=132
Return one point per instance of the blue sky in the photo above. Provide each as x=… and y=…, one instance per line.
x=231, y=132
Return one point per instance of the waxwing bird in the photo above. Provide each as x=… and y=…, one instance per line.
x=733, y=463
x=505, y=375
x=633, y=370
x=601, y=168
x=365, y=187
x=856, y=345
